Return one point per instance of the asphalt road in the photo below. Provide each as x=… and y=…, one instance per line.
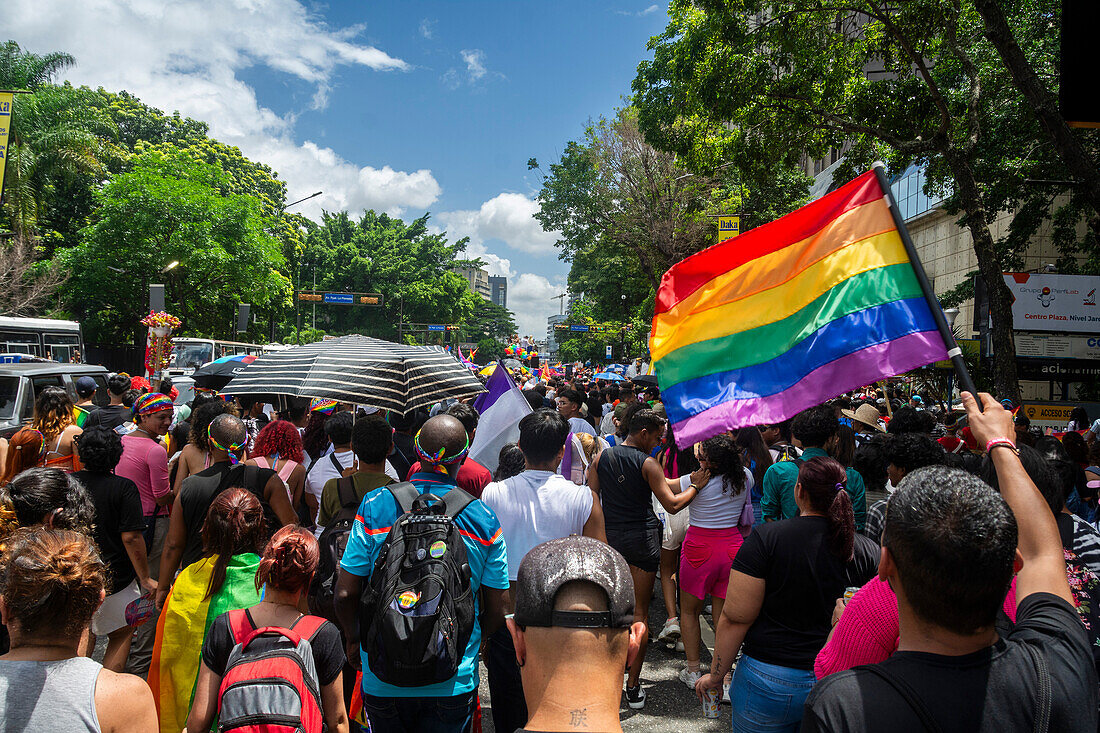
x=670, y=706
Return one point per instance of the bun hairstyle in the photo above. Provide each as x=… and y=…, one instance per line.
x=289, y=560
x=51, y=581
x=824, y=480
x=234, y=525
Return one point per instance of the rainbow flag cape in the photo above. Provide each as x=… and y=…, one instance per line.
x=182, y=626
x=80, y=415
x=762, y=326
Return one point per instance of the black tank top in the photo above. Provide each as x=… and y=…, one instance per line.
x=624, y=493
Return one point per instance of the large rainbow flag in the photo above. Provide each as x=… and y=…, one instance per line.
x=183, y=623
x=762, y=326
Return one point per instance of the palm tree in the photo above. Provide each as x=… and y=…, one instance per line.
x=55, y=133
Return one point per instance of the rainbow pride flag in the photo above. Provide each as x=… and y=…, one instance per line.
x=182, y=626
x=80, y=415
x=762, y=326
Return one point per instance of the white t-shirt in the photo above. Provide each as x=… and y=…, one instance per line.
x=713, y=509
x=535, y=507
x=580, y=425
x=1095, y=429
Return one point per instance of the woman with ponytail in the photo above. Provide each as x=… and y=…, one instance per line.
x=51, y=583
x=224, y=580
x=782, y=590
x=285, y=571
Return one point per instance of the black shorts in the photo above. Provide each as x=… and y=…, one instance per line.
x=641, y=546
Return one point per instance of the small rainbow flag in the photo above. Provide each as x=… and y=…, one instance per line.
x=80, y=415
x=319, y=405
x=762, y=326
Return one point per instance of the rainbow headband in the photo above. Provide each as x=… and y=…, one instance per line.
x=436, y=461
x=231, y=450
x=150, y=403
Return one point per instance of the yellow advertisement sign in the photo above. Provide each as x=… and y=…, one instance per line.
x=5, y=124
x=728, y=227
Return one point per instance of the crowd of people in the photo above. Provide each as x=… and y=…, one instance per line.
x=877, y=561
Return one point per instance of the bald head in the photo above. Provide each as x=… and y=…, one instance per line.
x=443, y=431
x=228, y=430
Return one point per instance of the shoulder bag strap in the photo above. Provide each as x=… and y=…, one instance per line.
x=336, y=462
x=908, y=693
x=455, y=501
x=1043, y=694
x=345, y=490
x=307, y=626
x=239, y=625
x=405, y=494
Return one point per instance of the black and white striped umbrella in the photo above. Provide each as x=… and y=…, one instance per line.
x=360, y=370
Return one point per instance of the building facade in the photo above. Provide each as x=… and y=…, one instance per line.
x=498, y=290
x=478, y=280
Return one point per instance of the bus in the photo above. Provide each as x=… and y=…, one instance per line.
x=188, y=354
x=45, y=338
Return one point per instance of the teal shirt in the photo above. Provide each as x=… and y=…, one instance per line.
x=777, y=500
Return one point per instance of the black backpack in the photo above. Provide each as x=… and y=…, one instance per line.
x=417, y=613
x=333, y=540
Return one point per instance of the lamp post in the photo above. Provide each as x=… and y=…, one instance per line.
x=950, y=314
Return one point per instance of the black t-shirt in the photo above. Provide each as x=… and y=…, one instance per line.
x=404, y=454
x=624, y=493
x=108, y=417
x=327, y=646
x=992, y=690
x=199, y=490
x=117, y=510
x=802, y=582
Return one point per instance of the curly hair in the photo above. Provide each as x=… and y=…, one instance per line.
x=289, y=560
x=724, y=456
x=99, y=449
x=201, y=419
x=38, y=494
x=53, y=412
x=511, y=462
x=51, y=581
x=279, y=437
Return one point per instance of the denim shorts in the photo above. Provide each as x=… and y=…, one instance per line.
x=767, y=698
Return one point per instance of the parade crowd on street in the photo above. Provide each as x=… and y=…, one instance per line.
x=879, y=562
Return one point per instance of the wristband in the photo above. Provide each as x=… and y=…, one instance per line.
x=1001, y=443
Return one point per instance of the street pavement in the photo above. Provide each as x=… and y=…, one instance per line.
x=670, y=707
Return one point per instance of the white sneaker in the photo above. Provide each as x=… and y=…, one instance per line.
x=726, y=695
x=670, y=631
x=689, y=678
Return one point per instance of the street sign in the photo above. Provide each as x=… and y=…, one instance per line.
x=436, y=327
x=728, y=227
x=341, y=298
x=608, y=350
x=578, y=327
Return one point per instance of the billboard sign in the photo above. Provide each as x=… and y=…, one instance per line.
x=1052, y=302
x=1054, y=415
x=1055, y=346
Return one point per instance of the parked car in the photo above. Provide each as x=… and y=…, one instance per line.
x=21, y=382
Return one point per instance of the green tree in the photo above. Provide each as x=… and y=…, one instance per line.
x=170, y=207
x=910, y=82
x=488, y=320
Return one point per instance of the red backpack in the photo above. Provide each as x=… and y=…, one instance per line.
x=270, y=683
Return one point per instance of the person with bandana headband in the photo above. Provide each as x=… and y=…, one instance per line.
x=442, y=445
x=226, y=437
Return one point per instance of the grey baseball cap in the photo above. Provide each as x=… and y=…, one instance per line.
x=549, y=566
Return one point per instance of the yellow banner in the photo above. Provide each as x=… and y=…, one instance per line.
x=5, y=124
x=728, y=227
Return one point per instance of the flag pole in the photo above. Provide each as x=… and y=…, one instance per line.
x=953, y=350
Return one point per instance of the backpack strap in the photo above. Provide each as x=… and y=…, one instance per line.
x=405, y=494
x=908, y=693
x=239, y=625
x=456, y=500
x=345, y=490
x=307, y=626
x=1042, y=697
x=336, y=463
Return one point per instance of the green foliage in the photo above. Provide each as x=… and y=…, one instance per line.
x=489, y=321
x=170, y=207
x=21, y=69
x=488, y=350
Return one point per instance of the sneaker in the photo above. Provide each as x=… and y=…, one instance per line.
x=635, y=697
x=689, y=678
x=726, y=695
x=679, y=646
x=671, y=630
x=708, y=610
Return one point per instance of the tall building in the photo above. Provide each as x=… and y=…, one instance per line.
x=551, y=337
x=498, y=290
x=478, y=280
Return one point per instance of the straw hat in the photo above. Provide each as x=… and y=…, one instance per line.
x=865, y=414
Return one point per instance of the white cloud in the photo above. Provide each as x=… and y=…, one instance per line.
x=188, y=56
x=475, y=62
x=427, y=28
x=530, y=299
x=641, y=13
x=509, y=217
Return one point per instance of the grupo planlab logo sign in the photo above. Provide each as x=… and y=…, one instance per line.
x=1054, y=302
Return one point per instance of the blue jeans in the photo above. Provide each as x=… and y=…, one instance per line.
x=767, y=697
x=416, y=714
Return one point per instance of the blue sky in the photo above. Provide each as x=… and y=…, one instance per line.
x=404, y=107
